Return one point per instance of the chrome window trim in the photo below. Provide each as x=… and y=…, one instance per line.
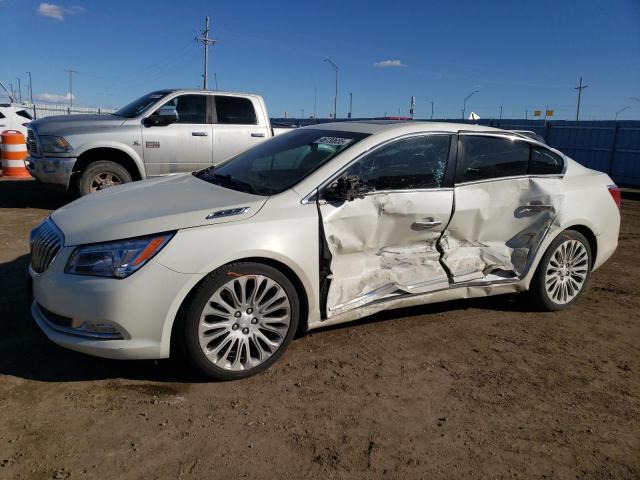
x=513, y=177
x=308, y=199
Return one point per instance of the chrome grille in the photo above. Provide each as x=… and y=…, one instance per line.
x=46, y=241
x=32, y=145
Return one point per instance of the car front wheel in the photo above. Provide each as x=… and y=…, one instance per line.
x=563, y=272
x=240, y=321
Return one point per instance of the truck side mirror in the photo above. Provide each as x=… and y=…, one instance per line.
x=344, y=189
x=162, y=117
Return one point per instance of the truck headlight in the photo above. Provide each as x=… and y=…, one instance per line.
x=117, y=259
x=52, y=144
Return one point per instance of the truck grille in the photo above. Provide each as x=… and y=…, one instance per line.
x=45, y=241
x=32, y=145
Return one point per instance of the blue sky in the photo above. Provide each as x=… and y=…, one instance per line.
x=522, y=55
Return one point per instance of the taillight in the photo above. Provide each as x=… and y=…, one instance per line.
x=615, y=194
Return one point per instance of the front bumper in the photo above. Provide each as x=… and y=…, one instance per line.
x=141, y=308
x=55, y=170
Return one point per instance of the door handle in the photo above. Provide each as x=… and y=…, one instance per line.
x=199, y=134
x=259, y=135
x=425, y=225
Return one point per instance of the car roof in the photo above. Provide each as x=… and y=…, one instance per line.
x=402, y=126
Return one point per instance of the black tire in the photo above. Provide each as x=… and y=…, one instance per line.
x=538, y=291
x=86, y=182
x=187, y=329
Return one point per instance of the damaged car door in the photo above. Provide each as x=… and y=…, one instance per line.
x=507, y=194
x=381, y=219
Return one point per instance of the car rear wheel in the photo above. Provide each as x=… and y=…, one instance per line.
x=240, y=321
x=101, y=175
x=563, y=272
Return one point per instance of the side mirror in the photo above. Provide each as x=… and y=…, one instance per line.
x=344, y=189
x=162, y=117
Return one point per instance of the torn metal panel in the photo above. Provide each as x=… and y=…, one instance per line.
x=383, y=244
x=497, y=226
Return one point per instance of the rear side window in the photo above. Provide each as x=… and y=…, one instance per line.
x=190, y=108
x=24, y=114
x=410, y=163
x=487, y=157
x=235, y=110
x=544, y=162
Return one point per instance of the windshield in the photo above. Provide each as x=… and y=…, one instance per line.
x=138, y=106
x=280, y=163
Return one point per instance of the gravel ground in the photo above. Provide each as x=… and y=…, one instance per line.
x=483, y=388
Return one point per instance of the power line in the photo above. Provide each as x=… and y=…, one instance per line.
x=206, y=41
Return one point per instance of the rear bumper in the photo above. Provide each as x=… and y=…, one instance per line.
x=54, y=170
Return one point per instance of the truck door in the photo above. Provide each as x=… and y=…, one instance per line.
x=385, y=244
x=183, y=146
x=502, y=210
x=237, y=127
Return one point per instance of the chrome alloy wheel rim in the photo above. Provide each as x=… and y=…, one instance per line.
x=104, y=180
x=244, y=322
x=567, y=271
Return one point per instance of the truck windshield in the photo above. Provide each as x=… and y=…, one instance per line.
x=138, y=106
x=280, y=163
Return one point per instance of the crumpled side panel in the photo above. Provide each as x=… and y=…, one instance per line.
x=378, y=249
x=497, y=226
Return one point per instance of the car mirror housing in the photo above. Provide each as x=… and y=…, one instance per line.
x=162, y=117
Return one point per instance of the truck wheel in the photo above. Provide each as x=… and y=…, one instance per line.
x=101, y=175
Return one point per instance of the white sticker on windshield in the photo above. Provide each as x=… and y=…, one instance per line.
x=334, y=141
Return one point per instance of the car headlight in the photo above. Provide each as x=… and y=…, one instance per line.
x=117, y=259
x=52, y=144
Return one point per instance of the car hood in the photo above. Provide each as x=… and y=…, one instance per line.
x=150, y=206
x=69, y=124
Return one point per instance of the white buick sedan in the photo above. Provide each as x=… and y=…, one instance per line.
x=323, y=225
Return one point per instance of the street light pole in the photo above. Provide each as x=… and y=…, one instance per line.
x=431, y=110
x=19, y=89
x=464, y=104
x=335, y=98
x=350, y=103
x=620, y=111
x=71, y=72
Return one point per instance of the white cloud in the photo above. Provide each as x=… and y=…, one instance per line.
x=57, y=12
x=53, y=97
x=389, y=64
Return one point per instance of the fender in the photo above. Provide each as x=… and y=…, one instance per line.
x=126, y=149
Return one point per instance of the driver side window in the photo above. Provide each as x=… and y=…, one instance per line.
x=410, y=163
x=191, y=108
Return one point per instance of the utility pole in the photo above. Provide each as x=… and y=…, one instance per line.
x=580, y=87
x=526, y=114
x=215, y=79
x=431, y=110
x=464, y=104
x=335, y=98
x=350, y=103
x=71, y=72
x=206, y=41
x=500, y=112
x=315, y=98
x=19, y=89
x=30, y=88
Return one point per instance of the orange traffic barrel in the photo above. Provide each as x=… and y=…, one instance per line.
x=14, y=153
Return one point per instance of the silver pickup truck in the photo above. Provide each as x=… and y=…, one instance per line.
x=163, y=132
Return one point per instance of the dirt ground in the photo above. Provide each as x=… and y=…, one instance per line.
x=484, y=388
